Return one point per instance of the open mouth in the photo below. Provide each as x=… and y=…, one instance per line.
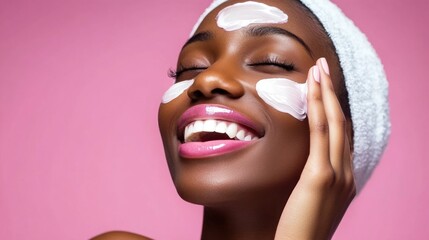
x=212, y=129
x=207, y=130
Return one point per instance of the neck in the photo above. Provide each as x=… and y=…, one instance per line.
x=244, y=220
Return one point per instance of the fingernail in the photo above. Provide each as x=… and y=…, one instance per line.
x=325, y=65
x=316, y=74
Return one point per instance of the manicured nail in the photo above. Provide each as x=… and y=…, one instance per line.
x=325, y=65
x=316, y=74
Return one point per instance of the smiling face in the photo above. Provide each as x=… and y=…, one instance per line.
x=223, y=142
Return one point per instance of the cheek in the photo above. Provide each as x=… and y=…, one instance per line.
x=289, y=141
x=165, y=127
x=176, y=90
x=167, y=130
x=286, y=151
x=171, y=106
x=284, y=95
x=168, y=113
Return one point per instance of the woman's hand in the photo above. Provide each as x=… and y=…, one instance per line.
x=326, y=186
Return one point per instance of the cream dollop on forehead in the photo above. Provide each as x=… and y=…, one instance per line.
x=241, y=15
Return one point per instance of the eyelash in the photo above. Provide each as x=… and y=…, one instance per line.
x=288, y=66
x=275, y=61
x=172, y=73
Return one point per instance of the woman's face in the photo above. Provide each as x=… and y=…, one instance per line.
x=210, y=168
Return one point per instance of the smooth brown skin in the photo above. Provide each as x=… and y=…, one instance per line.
x=119, y=235
x=295, y=182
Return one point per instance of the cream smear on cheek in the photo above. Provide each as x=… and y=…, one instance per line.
x=241, y=15
x=176, y=90
x=284, y=95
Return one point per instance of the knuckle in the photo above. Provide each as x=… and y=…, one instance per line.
x=322, y=177
x=339, y=121
x=314, y=95
x=320, y=127
x=346, y=184
x=349, y=179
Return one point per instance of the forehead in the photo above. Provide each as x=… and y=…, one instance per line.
x=299, y=22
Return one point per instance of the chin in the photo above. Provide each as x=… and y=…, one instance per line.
x=237, y=178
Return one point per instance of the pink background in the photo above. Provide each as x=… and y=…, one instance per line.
x=80, y=153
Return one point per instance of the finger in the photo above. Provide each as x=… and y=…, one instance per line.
x=319, y=129
x=335, y=118
x=348, y=164
x=347, y=149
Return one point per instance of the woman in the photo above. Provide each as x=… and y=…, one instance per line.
x=277, y=118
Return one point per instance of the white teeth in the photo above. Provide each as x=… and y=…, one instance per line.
x=221, y=127
x=209, y=125
x=233, y=130
x=198, y=126
x=240, y=135
x=188, y=130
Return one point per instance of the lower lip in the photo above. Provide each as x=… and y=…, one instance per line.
x=211, y=148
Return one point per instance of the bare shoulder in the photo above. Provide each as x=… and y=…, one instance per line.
x=119, y=235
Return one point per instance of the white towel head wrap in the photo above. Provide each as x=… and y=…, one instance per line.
x=365, y=81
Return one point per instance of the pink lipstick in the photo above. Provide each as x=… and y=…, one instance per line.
x=211, y=130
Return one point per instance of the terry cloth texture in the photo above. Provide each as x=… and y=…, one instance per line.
x=365, y=81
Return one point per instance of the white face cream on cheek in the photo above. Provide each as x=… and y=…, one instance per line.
x=176, y=90
x=241, y=15
x=284, y=95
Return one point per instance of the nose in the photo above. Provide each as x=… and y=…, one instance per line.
x=213, y=82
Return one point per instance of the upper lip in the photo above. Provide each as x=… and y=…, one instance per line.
x=219, y=112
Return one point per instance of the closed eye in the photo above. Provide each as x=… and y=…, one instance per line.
x=175, y=74
x=274, y=61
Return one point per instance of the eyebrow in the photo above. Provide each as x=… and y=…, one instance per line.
x=253, y=32
x=199, y=37
x=269, y=30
